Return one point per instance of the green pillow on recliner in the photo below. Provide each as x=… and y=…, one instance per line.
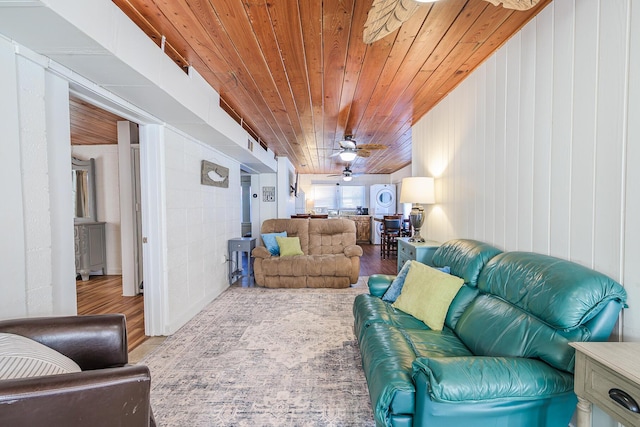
x=427, y=294
x=289, y=246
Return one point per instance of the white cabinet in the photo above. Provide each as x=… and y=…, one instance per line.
x=90, y=248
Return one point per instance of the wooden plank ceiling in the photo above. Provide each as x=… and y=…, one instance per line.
x=299, y=77
x=91, y=125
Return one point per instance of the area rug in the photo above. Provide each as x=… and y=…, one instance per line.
x=264, y=357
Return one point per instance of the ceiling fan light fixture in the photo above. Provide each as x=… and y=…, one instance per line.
x=347, y=178
x=348, y=155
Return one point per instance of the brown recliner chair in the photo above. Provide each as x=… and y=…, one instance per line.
x=107, y=392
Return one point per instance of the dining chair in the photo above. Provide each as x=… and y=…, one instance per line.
x=392, y=230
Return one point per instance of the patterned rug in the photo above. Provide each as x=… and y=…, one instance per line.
x=264, y=357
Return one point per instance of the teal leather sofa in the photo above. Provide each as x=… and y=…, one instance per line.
x=503, y=357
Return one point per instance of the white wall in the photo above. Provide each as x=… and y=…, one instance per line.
x=536, y=149
x=107, y=197
x=36, y=259
x=200, y=219
x=396, y=178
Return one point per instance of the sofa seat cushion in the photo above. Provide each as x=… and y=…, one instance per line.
x=476, y=379
x=428, y=343
x=307, y=265
x=368, y=309
x=388, y=354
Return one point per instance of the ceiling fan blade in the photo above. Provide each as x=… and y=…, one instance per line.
x=385, y=16
x=372, y=147
x=515, y=4
x=336, y=154
x=364, y=153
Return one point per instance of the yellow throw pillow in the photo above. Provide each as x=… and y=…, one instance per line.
x=289, y=246
x=427, y=294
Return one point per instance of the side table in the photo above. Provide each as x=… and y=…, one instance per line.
x=421, y=252
x=607, y=375
x=237, y=247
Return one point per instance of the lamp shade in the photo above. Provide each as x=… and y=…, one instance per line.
x=418, y=189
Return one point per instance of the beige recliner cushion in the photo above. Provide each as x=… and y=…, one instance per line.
x=331, y=236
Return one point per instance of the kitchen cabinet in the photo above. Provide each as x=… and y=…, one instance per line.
x=363, y=227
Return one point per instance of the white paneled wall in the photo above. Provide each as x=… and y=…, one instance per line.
x=200, y=219
x=536, y=150
x=35, y=188
x=35, y=258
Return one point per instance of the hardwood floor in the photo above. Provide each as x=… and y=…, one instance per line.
x=372, y=263
x=103, y=294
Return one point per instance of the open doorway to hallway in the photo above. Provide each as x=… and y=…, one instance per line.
x=116, y=287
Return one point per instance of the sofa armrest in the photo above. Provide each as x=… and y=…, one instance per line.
x=475, y=378
x=260, y=252
x=352, y=250
x=99, y=398
x=379, y=283
x=93, y=342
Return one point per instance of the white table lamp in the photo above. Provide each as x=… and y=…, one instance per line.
x=417, y=190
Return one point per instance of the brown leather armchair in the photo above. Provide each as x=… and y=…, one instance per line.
x=107, y=392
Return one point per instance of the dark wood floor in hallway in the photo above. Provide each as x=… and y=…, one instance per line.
x=103, y=294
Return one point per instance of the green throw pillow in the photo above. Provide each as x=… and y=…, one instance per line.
x=289, y=246
x=427, y=294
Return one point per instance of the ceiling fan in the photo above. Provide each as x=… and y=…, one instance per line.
x=349, y=150
x=385, y=16
x=347, y=174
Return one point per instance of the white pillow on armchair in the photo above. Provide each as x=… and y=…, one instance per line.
x=21, y=357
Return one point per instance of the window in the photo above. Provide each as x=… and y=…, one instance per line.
x=338, y=196
x=351, y=196
x=324, y=196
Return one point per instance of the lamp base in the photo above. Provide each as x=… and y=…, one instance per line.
x=417, y=238
x=416, y=218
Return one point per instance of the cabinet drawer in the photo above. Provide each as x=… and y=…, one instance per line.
x=599, y=380
x=407, y=251
x=402, y=260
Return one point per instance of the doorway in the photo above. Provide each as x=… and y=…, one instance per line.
x=96, y=133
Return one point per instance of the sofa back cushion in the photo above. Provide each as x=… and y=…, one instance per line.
x=294, y=228
x=533, y=305
x=465, y=257
x=561, y=293
x=330, y=236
